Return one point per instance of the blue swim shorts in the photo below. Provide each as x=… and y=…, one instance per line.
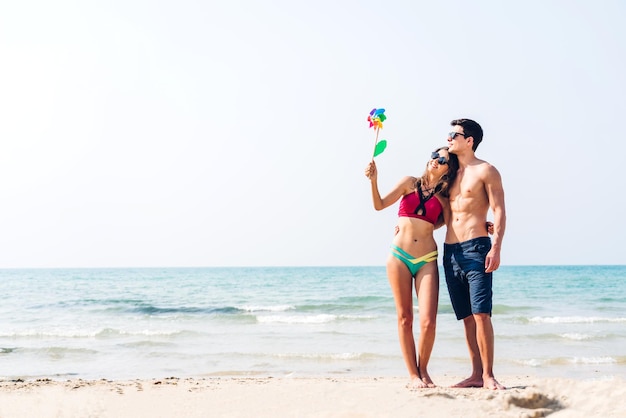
x=469, y=286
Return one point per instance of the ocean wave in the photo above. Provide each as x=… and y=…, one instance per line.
x=115, y=333
x=287, y=356
x=121, y=306
x=358, y=317
x=365, y=300
x=327, y=356
x=155, y=310
x=596, y=335
x=311, y=319
x=445, y=309
x=99, y=333
x=573, y=319
x=500, y=309
x=563, y=361
x=49, y=334
x=344, y=305
x=573, y=336
x=531, y=362
x=577, y=336
x=593, y=360
x=147, y=344
x=53, y=352
x=275, y=308
x=297, y=319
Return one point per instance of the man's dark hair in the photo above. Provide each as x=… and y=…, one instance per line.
x=470, y=128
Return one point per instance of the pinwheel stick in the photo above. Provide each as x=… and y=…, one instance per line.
x=375, y=143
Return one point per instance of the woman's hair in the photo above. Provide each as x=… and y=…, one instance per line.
x=447, y=179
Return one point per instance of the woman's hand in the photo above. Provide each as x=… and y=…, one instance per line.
x=370, y=171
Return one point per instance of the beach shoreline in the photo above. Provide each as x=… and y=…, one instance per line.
x=327, y=396
x=207, y=322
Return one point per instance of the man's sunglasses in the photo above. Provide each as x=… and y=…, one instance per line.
x=453, y=135
x=441, y=160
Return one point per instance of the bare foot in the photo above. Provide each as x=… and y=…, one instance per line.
x=416, y=383
x=470, y=382
x=427, y=380
x=492, y=383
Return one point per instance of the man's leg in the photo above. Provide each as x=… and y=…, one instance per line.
x=476, y=378
x=485, y=343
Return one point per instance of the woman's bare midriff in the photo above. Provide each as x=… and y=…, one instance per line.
x=415, y=236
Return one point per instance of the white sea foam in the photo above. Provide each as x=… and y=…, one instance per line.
x=532, y=362
x=576, y=336
x=323, y=356
x=535, y=362
x=296, y=319
x=49, y=334
x=573, y=319
x=593, y=360
x=151, y=332
x=76, y=333
x=358, y=317
x=259, y=308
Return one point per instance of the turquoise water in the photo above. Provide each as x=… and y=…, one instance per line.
x=556, y=321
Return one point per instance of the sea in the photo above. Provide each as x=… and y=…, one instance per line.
x=131, y=323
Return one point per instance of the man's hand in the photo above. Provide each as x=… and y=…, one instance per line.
x=492, y=261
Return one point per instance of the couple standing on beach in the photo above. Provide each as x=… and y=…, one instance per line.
x=457, y=189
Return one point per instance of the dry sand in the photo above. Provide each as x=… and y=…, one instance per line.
x=310, y=397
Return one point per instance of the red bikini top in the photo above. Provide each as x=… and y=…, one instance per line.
x=415, y=205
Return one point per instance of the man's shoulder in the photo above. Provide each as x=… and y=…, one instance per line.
x=488, y=173
x=479, y=165
x=483, y=171
x=485, y=166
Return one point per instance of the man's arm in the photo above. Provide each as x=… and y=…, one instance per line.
x=495, y=194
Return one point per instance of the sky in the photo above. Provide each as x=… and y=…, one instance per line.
x=233, y=133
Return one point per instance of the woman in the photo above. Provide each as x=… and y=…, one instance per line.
x=414, y=254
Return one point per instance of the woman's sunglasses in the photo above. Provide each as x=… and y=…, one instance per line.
x=441, y=160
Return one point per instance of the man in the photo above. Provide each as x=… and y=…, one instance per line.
x=470, y=257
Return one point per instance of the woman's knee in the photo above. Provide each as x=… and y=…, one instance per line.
x=405, y=319
x=428, y=324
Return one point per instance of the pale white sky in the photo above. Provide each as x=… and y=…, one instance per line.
x=233, y=133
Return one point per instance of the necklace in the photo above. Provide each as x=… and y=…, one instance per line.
x=426, y=191
x=424, y=195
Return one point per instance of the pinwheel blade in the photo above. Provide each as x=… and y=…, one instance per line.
x=380, y=147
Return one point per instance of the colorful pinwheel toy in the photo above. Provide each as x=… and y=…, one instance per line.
x=376, y=119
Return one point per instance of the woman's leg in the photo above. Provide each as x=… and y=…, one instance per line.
x=427, y=290
x=401, y=284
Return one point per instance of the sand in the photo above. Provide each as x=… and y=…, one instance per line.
x=310, y=397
